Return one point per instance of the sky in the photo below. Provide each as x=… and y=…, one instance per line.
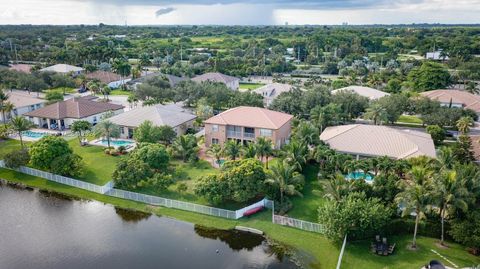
x=238, y=12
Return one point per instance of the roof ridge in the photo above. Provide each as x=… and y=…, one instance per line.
x=351, y=126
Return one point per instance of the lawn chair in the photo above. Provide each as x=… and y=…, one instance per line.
x=373, y=247
x=391, y=248
x=384, y=240
x=377, y=238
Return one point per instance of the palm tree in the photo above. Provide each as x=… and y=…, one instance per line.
x=463, y=124
x=93, y=87
x=308, y=133
x=185, y=146
x=416, y=196
x=80, y=127
x=284, y=177
x=450, y=194
x=108, y=130
x=445, y=158
x=472, y=88
x=264, y=148
x=105, y=90
x=375, y=112
x=249, y=151
x=296, y=155
x=20, y=124
x=217, y=151
x=232, y=149
x=6, y=108
x=336, y=187
x=123, y=68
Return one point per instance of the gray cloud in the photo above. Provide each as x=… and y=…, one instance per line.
x=164, y=11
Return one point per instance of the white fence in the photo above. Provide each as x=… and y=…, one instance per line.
x=63, y=180
x=299, y=224
x=342, y=251
x=239, y=213
x=155, y=200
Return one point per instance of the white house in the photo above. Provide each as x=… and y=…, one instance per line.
x=63, y=69
x=231, y=82
x=23, y=102
x=271, y=91
x=61, y=115
x=370, y=93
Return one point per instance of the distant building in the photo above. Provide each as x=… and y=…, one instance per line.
x=231, y=82
x=245, y=124
x=455, y=98
x=63, y=69
x=111, y=79
x=23, y=102
x=61, y=115
x=376, y=141
x=172, y=115
x=368, y=92
x=436, y=56
x=271, y=91
x=173, y=80
x=24, y=68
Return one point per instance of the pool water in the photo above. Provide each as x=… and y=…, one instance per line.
x=359, y=175
x=32, y=134
x=116, y=143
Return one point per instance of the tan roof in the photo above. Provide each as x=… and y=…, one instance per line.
x=368, y=92
x=23, y=99
x=273, y=90
x=25, y=68
x=214, y=77
x=104, y=76
x=467, y=99
x=374, y=140
x=255, y=117
x=172, y=115
x=62, y=68
x=75, y=108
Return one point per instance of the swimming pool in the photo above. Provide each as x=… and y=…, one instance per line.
x=33, y=134
x=116, y=143
x=359, y=175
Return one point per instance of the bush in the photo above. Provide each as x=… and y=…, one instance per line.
x=46, y=150
x=69, y=165
x=4, y=131
x=182, y=187
x=17, y=158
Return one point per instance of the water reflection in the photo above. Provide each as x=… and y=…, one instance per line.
x=236, y=240
x=133, y=216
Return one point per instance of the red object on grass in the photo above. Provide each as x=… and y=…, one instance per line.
x=253, y=211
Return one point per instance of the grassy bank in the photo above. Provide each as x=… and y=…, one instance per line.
x=319, y=252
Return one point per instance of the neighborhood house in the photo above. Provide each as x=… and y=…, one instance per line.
x=455, y=98
x=368, y=92
x=231, y=82
x=271, y=91
x=245, y=124
x=22, y=102
x=63, y=69
x=171, y=115
x=61, y=115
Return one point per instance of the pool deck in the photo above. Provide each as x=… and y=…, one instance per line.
x=46, y=131
x=98, y=143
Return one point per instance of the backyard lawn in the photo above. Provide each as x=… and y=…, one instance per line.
x=250, y=86
x=9, y=145
x=409, y=119
x=120, y=92
x=61, y=90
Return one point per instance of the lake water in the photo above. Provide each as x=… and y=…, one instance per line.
x=43, y=230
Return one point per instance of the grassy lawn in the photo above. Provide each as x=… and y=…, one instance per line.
x=250, y=86
x=410, y=119
x=314, y=249
x=305, y=207
x=120, y=92
x=358, y=255
x=61, y=90
x=8, y=145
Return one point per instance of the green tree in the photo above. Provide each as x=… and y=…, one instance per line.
x=264, y=148
x=107, y=129
x=216, y=151
x=147, y=132
x=19, y=125
x=186, y=147
x=53, y=97
x=285, y=179
x=232, y=149
x=429, y=76
x=377, y=113
x=16, y=158
x=467, y=231
x=46, y=152
x=296, y=155
x=463, y=124
x=325, y=116
x=307, y=132
x=437, y=133
x=336, y=187
x=415, y=196
x=249, y=151
x=154, y=155
x=462, y=150
x=80, y=127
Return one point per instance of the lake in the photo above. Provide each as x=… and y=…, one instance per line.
x=45, y=230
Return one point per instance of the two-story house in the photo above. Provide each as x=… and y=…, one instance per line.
x=245, y=124
x=23, y=102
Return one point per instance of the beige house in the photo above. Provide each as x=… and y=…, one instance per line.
x=455, y=98
x=173, y=115
x=23, y=102
x=374, y=140
x=245, y=124
x=370, y=93
x=231, y=82
x=62, y=115
x=271, y=91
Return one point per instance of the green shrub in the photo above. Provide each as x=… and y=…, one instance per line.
x=17, y=158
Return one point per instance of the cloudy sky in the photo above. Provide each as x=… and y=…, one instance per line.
x=238, y=12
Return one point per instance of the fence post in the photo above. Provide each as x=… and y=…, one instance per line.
x=273, y=211
x=339, y=263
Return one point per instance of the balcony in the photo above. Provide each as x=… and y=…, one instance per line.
x=249, y=135
x=234, y=134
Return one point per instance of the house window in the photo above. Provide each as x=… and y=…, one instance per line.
x=214, y=128
x=122, y=130
x=266, y=132
x=214, y=141
x=94, y=118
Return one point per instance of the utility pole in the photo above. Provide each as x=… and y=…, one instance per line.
x=181, y=55
x=16, y=55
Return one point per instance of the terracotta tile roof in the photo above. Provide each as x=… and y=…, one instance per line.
x=254, y=117
x=467, y=99
x=214, y=77
x=374, y=140
x=368, y=92
x=104, y=76
x=25, y=68
x=75, y=108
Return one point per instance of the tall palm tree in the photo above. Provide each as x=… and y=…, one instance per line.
x=232, y=149
x=450, y=194
x=463, y=124
x=308, y=133
x=3, y=101
x=6, y=108
x=249, y=151
x=20, y=124
x=185, y=146
x=336, y=187
x=123, y=68
x=284, y=177
x=416, y=196
x=216, y=151
x=108, y=130
x=264, y=148
x=376, y=113
x=296, y=155
x=93, y=87
x=445, y=158
x=471, y=87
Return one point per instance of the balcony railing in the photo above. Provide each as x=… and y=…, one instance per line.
x=234, y=134
x=249, y=135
